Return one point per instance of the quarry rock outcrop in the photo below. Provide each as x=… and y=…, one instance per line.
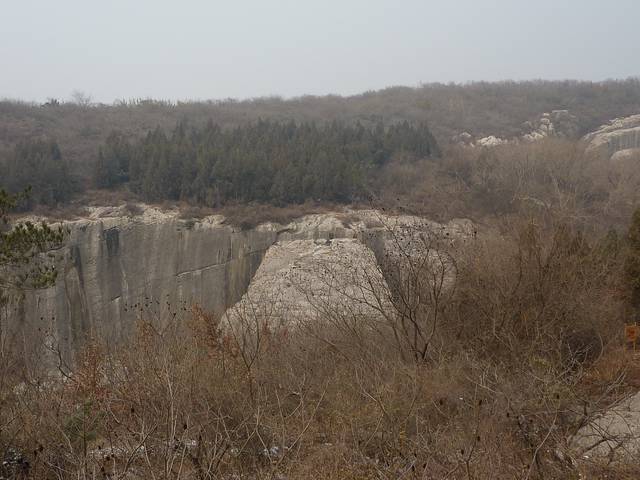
x=618, y=135
x=118, y=265
x=300, y=280
x=115, y=266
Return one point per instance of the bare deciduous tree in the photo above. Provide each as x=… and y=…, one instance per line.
x=81, y=98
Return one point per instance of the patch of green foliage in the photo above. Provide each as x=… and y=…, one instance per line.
x=26, y=250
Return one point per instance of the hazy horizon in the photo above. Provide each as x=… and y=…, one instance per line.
x=199, y=50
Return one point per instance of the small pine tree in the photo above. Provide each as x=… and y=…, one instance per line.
x=25, y=262
x=112, y=166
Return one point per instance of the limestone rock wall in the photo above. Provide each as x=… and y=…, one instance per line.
x=115, y=264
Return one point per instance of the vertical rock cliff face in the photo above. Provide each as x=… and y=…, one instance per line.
x=114, y=265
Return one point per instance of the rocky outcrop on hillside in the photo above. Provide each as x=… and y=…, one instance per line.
x=557, y=123
x=119, y=264
x=359, y=282
x=490, y=141
x=620, y=134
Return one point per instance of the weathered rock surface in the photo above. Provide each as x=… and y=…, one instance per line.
x=613, y=435
x=619, y=134
x=352, y=280
x=301, y=279
x=116, y=264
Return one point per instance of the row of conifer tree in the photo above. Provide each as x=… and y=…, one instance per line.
x=265, y=161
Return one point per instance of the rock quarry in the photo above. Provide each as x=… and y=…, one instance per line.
x=116, y=265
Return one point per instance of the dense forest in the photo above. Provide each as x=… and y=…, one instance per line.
x=269, y=162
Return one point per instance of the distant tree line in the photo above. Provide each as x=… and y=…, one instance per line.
x=264, y=161
x=480, y=108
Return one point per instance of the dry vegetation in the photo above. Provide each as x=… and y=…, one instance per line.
x=486, y=185
x=480, y=361
x=480, y=374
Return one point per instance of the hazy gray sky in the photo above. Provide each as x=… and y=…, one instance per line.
x=197, y=49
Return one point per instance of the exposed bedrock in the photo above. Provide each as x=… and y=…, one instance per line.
x=114, y=265
x=612, y=436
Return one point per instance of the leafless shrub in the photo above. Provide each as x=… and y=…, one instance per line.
x=132, y=209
